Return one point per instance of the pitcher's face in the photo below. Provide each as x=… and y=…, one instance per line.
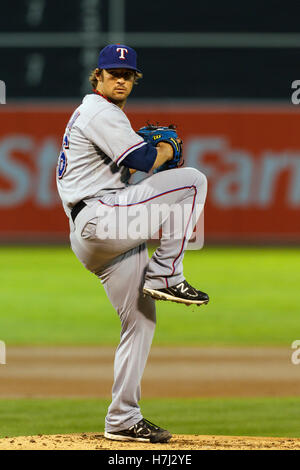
x=116, y=84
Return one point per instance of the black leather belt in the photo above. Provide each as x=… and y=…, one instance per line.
x=76, y=209
x=80, y=205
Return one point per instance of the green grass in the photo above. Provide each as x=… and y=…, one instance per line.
x=47, y=297
x=249, y=417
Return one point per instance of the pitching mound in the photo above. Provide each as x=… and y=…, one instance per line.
x=178, y=442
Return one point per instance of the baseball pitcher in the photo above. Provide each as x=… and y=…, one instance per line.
x=100, y=151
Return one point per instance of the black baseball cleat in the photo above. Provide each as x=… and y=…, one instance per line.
x=143, y=431
x=183, y=293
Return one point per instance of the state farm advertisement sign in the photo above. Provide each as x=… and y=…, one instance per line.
x=251, y=156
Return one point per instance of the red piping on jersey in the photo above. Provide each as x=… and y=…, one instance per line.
x=135, y=145
x=153, y=197
x=100, y=94
x=183, y=240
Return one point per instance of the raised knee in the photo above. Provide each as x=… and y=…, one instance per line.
x=195, y=177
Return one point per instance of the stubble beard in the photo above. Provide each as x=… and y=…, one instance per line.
x=117, y=101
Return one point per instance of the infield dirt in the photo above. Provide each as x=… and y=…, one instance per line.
x=33, y=372
x=45, y=372
x=178, y=442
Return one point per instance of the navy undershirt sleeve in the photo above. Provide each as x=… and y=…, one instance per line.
x=141, y=159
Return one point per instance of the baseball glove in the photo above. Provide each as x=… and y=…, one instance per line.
x=153, y=134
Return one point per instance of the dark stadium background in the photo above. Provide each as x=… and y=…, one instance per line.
x=215, y=50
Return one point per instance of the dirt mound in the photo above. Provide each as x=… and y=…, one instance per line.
x=178, y=442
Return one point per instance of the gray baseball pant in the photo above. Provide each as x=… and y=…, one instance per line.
x=123, y=266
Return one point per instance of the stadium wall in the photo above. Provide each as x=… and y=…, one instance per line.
x=250, y=154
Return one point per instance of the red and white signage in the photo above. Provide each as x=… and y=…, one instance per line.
x=251, y=156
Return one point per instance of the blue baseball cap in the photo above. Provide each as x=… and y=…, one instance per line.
x=117, y=56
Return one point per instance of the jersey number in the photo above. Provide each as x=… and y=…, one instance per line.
x=62, y=161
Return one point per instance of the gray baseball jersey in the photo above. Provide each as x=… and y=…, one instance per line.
x=98, y=137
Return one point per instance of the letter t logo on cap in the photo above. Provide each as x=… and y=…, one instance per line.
x=122, y=49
